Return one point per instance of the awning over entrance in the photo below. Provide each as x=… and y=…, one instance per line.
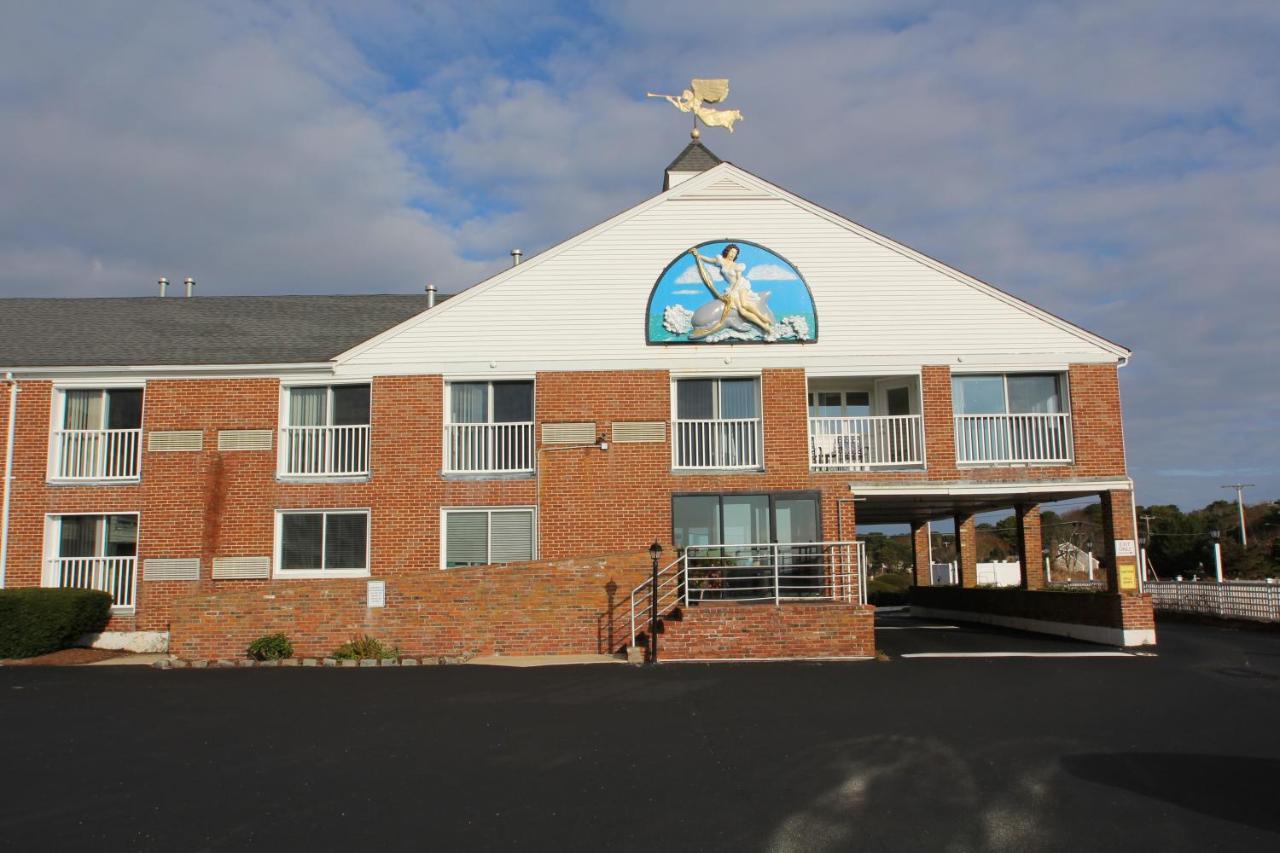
x=898, y=503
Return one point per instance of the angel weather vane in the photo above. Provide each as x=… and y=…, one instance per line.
x=697, y=96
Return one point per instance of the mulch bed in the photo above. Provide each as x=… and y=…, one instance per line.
x=66, y=657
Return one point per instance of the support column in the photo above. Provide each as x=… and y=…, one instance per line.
x=1120, y=539
x=922, y=552
x=967, y=551
x=1030, y=549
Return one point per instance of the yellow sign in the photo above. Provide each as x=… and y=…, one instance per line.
x=1127, y=573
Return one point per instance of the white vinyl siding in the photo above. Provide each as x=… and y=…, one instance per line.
x=475, y=537
x=877, y=304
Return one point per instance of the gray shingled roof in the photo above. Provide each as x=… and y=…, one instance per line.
x=196, y=330
x=695, y=157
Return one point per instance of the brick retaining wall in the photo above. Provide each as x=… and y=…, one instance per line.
x=764, y=631
x=545, y=607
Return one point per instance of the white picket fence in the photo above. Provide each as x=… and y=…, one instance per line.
x=1257, y=600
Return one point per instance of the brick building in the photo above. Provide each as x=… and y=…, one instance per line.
x=725, y=368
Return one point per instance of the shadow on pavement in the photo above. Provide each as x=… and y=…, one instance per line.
x=1228, y=787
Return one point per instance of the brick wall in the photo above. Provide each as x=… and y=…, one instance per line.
x=764, y=631
x=573, y=606
x=211, y=504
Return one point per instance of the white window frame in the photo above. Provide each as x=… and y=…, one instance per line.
x=444, y=513
x=282, y=418
x=53, y=541
x=277, y=557
x=57, y=420
x=487, y=380
x=673, y=406
x=1064, y=385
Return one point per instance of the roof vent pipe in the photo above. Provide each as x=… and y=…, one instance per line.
x=431, y=296
x=191, y=285
x=164, y=285
x=516, y=255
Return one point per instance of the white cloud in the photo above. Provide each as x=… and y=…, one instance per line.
x=771, y=272
x=690, y=276
x=687, y=292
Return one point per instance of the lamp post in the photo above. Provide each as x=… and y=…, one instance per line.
x=1142, y=555
x=655, y=551
x=1088, y=551
x=1048, y=572
x=1216, y=535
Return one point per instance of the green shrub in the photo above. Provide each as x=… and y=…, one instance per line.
x=889, y=590
x=36, y=621
x=271, y=647
x=359, y=648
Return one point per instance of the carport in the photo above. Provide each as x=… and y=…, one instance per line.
x=1118, y=614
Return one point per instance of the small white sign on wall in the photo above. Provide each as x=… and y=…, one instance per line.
x=1126, y=548
x=377, y=594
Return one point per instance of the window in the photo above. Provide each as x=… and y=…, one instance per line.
x=489, y=428
x=1011, y=418
x=717, y=423
x=326, y=432
x=94, y=552
x=477, y=537
x=730, y=519
x=332, y=543
x=1025, y=393
x=839, y=404
x=99, y=434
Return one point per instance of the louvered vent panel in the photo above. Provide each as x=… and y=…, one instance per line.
x=727, y=187
x=244, y=439
x=184, y=569
x=634, y=432
x=175, y=441
x=239, y=568
x=569, y=433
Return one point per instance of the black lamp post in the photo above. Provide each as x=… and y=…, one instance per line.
x=655, y=551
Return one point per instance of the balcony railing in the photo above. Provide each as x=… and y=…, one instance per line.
x=325, y=451
x=97, y=454
x=859, y=443
x=488, y=448
x=117, y=576
x=717, y=444
x=1006, y=439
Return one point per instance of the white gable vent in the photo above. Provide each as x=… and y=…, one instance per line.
x=175, y=441
x=244, y=439
x=569, y=433
x=726, y=187
x=184, y=569
x=240, y=568
x=635, y=432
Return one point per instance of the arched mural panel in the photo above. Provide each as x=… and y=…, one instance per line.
x=731, y=291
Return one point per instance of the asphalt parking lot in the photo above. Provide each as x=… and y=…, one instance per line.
x=1179, y=751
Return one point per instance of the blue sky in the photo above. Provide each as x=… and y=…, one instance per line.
x=1117, y=163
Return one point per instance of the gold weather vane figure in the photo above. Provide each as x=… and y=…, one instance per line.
x=694, y=99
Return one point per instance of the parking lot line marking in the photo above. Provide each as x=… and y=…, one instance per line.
x=1019, y=655
x=917, y=627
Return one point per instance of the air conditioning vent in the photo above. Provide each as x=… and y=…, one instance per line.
x=175, y=441
x=241, y=568
x=635, y=432
x=183, y=569
x=244, y=439
x=569, y=433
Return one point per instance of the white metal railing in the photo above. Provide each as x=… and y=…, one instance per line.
x=1038, y=438
x=865, y=442
x=117, y=576
x=325, y=451
x=488, y=448
x=1256, y=600
x=767, y=571
x=717, y=443
x=97, y=454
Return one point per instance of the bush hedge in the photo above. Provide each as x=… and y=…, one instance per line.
x=271, y=647
x=890, y=589
x=36, y=621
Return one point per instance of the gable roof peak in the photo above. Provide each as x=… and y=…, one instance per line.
x=694, y=159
